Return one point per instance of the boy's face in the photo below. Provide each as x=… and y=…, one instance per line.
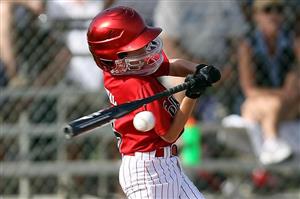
x=138, y=52
x=143, y=61
x=136, y=64
x=269, y=18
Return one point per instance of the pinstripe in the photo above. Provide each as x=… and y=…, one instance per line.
x=193, y=188
x=187, y=196
x=121, y=175
x=130, y=180
x=165, y=178
x=184, y=179
x=152, y=182
x=178, y=175
x=174, y=164
x=161, y=190
x=190, y=185
x=125, y=174
x=167, y=161
x=124, y=177
x=137, y=177
x=183, y=189
x=145, y=180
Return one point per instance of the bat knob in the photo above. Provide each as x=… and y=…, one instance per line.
x=68, y=130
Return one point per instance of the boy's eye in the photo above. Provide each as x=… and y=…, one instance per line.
x=122, y=55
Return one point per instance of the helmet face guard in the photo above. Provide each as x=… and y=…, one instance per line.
x=143, y=64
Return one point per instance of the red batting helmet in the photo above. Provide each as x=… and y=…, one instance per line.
x=119, y=30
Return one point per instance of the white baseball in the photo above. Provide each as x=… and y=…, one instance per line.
x=144, y=121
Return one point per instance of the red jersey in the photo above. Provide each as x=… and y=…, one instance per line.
x=122, y=89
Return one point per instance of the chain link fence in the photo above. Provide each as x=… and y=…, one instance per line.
x=36, y=161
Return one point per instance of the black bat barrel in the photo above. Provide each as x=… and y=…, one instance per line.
x=87, y=123
x=100, y=118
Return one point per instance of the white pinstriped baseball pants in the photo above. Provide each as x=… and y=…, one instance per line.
x=145, y=176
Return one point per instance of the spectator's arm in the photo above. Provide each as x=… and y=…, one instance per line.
x=34, y=6
x=291, y=86
x=6, y=47
x=245, y=69
x=292, y=80
x=7, y=54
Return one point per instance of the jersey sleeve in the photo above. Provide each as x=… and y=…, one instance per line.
x=164, y=69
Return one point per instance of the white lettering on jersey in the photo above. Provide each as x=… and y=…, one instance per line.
x=111, y=97
x=171, y=105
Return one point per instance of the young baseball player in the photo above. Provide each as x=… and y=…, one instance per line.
x=131, y=57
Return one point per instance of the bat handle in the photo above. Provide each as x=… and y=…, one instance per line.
x=169, y=91
x=181, y=87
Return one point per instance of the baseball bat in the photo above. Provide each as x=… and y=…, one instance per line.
x=105, y=116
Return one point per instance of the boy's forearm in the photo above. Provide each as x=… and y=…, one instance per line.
x=180, y=119
x=181, y=67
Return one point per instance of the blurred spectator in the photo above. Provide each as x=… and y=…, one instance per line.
x=76, y=15
x=39, y=60
x=204, y=32
x=31, y=55
x=268, y=71
x=41, y=55
x=8, y=65
x=144, y=7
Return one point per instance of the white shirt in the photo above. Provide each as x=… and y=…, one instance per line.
x=82, y=69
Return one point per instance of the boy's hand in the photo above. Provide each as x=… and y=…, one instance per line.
x=194, y=91
x=205, y=76
x=210, y=73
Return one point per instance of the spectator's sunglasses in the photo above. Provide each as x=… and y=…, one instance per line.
x=273, y=9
